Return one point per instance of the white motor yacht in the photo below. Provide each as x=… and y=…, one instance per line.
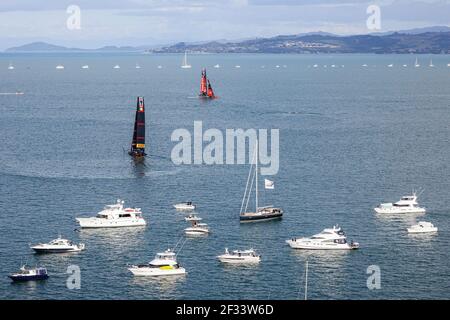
x=422, y=227
x=59, y=245
x=114, y=216
x=329, y=239
x=185, y=206
x=240, y=256
x=407, y=204
x=164, y=264
x=197, y=229
x=192, y=217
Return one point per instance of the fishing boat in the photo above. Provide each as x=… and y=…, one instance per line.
x=164, y=264
x=422, y=227
x=185, y=206
x=261, y=213
x=192, y=217
x=58, y=245
x=197, y=229
x=239, y=257
x=29, y=274
x=137, y=150
x=206, y=90
x=185, y=64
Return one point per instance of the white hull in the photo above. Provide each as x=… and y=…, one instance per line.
x=42, y=249
x=314, y=245
x=113, y=223
x=422, y=230
x=156, y=272
x=394, y=210
x=238, y=260
x=196, y=232
x=184, y=207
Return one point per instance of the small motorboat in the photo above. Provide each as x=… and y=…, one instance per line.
x=185, y=206
x=29, y=274
x=60, y=67
x=192, y=217
x=10, y=67
x=217, y=66
x=240, y=257
x=164, y=264
x=85, y=67
x=116, y=66
x=59, y=245
x=197, y=229
x=422, y=227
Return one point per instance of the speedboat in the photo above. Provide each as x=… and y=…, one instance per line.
x=422, y=227
x=185, y=206
x=197, y=229
x=85, y=67
x=114, y=216
x=329, y=239
x=116, y=66
x=164, y=264
x=407, y=204
x=59, y=245
x=60, y=67
x=240, y=256
x=29, y=274
x=192, y=217
x=390, y=65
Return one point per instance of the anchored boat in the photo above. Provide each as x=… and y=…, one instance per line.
x=29, y=274
x=164, y=264
x=329, y=239
x=240, y=257
x=206, y=90
x=261, y=213
x=59, y=245
x=137, y=149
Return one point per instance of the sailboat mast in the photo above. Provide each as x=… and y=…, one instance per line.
x=256, y=174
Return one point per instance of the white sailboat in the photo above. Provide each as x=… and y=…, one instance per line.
x=261, y=213
x=431, y=63
x=10, y=67
x=185, y=64
x=416, y=64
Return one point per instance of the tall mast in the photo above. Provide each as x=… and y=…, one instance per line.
x=256, y=174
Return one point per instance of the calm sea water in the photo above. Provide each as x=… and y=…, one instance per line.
x=350, y=138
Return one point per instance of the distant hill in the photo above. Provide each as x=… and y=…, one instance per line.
x=422, y=40
x=429, y=42
x=47, y=47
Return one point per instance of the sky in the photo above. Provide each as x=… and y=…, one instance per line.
x=159, y=22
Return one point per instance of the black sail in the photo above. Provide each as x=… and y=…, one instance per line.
x=138, y=142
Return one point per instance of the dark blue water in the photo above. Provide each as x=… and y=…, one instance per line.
x=350, y=138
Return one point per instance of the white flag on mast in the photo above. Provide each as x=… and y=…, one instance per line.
x=268, y=184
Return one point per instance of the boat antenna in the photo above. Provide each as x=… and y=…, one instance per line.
x=176, y=254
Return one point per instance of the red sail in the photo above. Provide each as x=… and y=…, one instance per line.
x=210, y=91
x=203, y=89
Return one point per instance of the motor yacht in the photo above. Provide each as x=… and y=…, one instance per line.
x=59, y=245
x=29, y=274
x=422, y=227
x=240, y=256
x=185, y=206
x=114, y=216
x=164, y=264
x=197, y=229
x=60, y=67
x=406, y=204
x=329, y=239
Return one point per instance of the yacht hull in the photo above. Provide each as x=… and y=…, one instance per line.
x=93, y=223
x=400, y=211
x=21, y=278
x=237, y=260
x=156, y=272
x=317, y=246
x=259, y=217
x=62, y=250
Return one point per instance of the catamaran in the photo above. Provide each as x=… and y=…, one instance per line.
x=261, y=213
x=137, y=149
x=206, y=90
x=185, y=64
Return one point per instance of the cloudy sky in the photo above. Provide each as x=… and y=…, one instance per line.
x=150, y=22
